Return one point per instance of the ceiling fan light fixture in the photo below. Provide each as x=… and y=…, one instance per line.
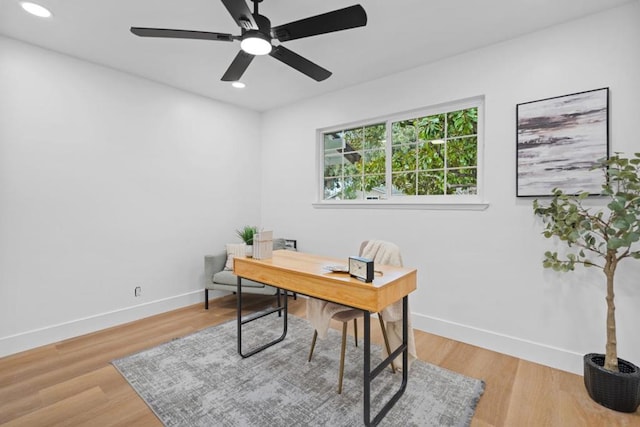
x=238, y=85
x=257, y=35
x=255, y=43
x=36, y=9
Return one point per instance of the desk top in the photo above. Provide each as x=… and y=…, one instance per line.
x=307, y=274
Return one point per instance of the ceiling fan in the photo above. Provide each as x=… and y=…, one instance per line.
x=257, y=35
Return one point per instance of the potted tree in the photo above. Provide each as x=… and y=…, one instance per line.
x=601, y=239
x=246, y=233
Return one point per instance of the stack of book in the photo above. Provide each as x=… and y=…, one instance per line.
x=263, y=245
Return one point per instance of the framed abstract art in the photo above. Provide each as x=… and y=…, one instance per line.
x=559, y=140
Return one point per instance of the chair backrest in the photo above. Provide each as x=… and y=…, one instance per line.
x=362, y=246
x=385, y=253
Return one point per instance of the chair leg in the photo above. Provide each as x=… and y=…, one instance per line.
x=313, y=344
x=206, y=299
x=386, y=339
x=342, y=351
x=278, y=302
x=355, y=330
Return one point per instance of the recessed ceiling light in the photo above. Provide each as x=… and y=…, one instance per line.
x=36, y=9
x=238, y=85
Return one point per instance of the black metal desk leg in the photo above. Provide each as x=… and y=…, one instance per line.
x=405, y=341
x=256, y=316
x=370, y=374
x=367, y=368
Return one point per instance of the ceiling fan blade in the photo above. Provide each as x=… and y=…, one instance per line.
x=241, y=14
x=237, y=67
x=181, y=34
x=301, y=64
x=341, y=19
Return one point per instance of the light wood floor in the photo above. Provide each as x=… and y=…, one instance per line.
x=72, y=382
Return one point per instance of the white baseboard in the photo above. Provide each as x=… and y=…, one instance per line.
x=528, y=350
x=50, y=334
x=543, y=354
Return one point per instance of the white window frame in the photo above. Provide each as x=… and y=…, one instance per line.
x=446, y=202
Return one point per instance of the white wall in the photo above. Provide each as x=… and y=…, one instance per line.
x=480, y=274
x=108, y=182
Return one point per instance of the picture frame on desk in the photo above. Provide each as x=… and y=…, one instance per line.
x=291, y=244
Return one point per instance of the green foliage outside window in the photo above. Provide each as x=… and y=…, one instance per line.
x=431, y=155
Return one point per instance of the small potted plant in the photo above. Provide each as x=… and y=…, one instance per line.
x=246, y=233
x=601, y=239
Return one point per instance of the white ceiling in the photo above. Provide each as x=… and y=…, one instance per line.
x=400, y=34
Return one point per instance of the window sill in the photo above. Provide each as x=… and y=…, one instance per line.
x=384, y=204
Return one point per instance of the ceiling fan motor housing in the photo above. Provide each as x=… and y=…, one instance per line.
x=264, y=26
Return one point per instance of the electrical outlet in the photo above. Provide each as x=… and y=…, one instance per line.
x=137, y=291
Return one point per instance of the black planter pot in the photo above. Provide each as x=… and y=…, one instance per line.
x=619, y=391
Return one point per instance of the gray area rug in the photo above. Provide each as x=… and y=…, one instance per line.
x=200, y=380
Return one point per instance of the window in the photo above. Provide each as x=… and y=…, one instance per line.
x=428, y=156
x=355, y=163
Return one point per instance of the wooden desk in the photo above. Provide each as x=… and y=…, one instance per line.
x=307, y=274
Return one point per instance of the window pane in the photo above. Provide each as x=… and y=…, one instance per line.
x=462, y=152
x=462, y=122
x=403, y=158
x=332, y=165
x=332, y=189
x=405, y=183
x=374, y=161
x=352, y=187
x=462, y=181
x=375, y=136
x=374, y=186
x=431, y=127
x=352, y=168
x=431, y=182
x=332, y=142
x=353, y=139
x=430, y=155
x=403, y=132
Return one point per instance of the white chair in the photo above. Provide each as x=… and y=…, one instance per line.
x=345, y=316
